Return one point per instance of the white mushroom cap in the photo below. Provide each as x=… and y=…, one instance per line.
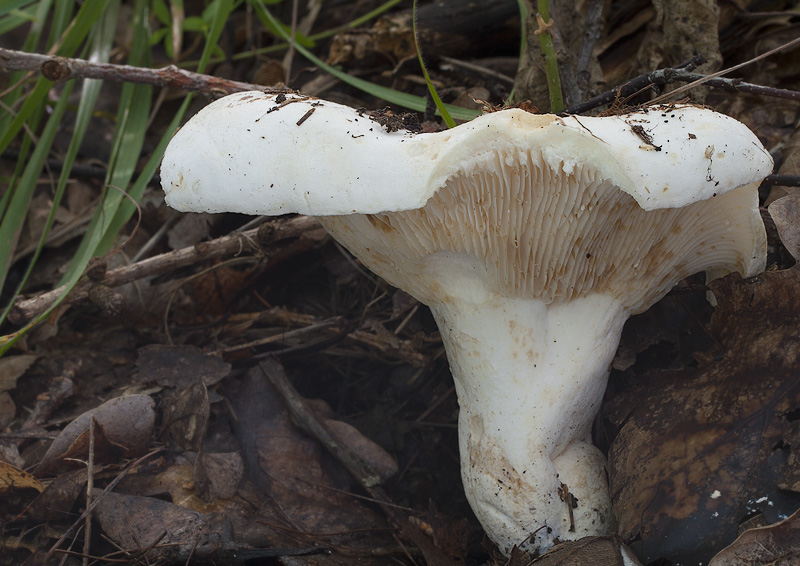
x=531, y=237
x=338, y=161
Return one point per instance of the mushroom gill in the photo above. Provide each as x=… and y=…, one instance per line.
x=554, y=236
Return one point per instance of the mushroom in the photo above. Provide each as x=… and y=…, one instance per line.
x=532, y=238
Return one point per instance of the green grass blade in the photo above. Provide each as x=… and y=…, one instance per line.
x=8, y=6
x=23, y=192
x=102, y=41
x=12, y=21
x=391, y=95
x=550, y=60
x=431, y=89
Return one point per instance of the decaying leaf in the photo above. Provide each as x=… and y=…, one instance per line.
x=597, y=551
x=125, y=422
x=786, y=213
x=179, y=366
x=186, y=415
x=775, y=545
x=218, y=475
x=305, y=489
x=16, y=486
x=702, y=449
x=145, y=526
x=57, y=500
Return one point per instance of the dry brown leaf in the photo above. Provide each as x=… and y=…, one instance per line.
x=702, y=449
x=57, y=500
x=305, y=490
x=217, y=476
x=17, y=489
x=786, y=213
x=217, y=288
x=125, y=421
x=588, y=551
x=775, y=545
x=12, y=368
x=13, y=479
x=176, y=533
x=186, y=413
x=179, y=366
x=106, y=450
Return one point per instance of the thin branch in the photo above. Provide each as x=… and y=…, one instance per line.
x=62, y=68
x=240, y=242
x=634, y=85
x=682, y=73
x=737, y=85
x=707, y=78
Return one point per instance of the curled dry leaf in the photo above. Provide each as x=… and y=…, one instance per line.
x=17, y=488
x=125, y=422
x=174, y=533
x=702, y=449
x=786, y=213
x=775, y=545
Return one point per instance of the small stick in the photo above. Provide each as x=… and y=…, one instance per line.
x=63, y=68
x=634, y=85
x=89, y=488
x=249, y=241
x=705, y=79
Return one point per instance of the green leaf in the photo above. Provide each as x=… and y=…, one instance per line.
x=8, y=6
x=16, y=18
x=20, y=200
x=219, y=16
x=194, y=23
x=161, y=12
x=158, y=35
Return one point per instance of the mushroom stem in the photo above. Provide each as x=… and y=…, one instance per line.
x=530, y=378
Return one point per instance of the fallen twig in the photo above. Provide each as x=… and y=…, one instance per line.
x=628, y=88
x=239, y=242
x=63, y=68
x=682, y=73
